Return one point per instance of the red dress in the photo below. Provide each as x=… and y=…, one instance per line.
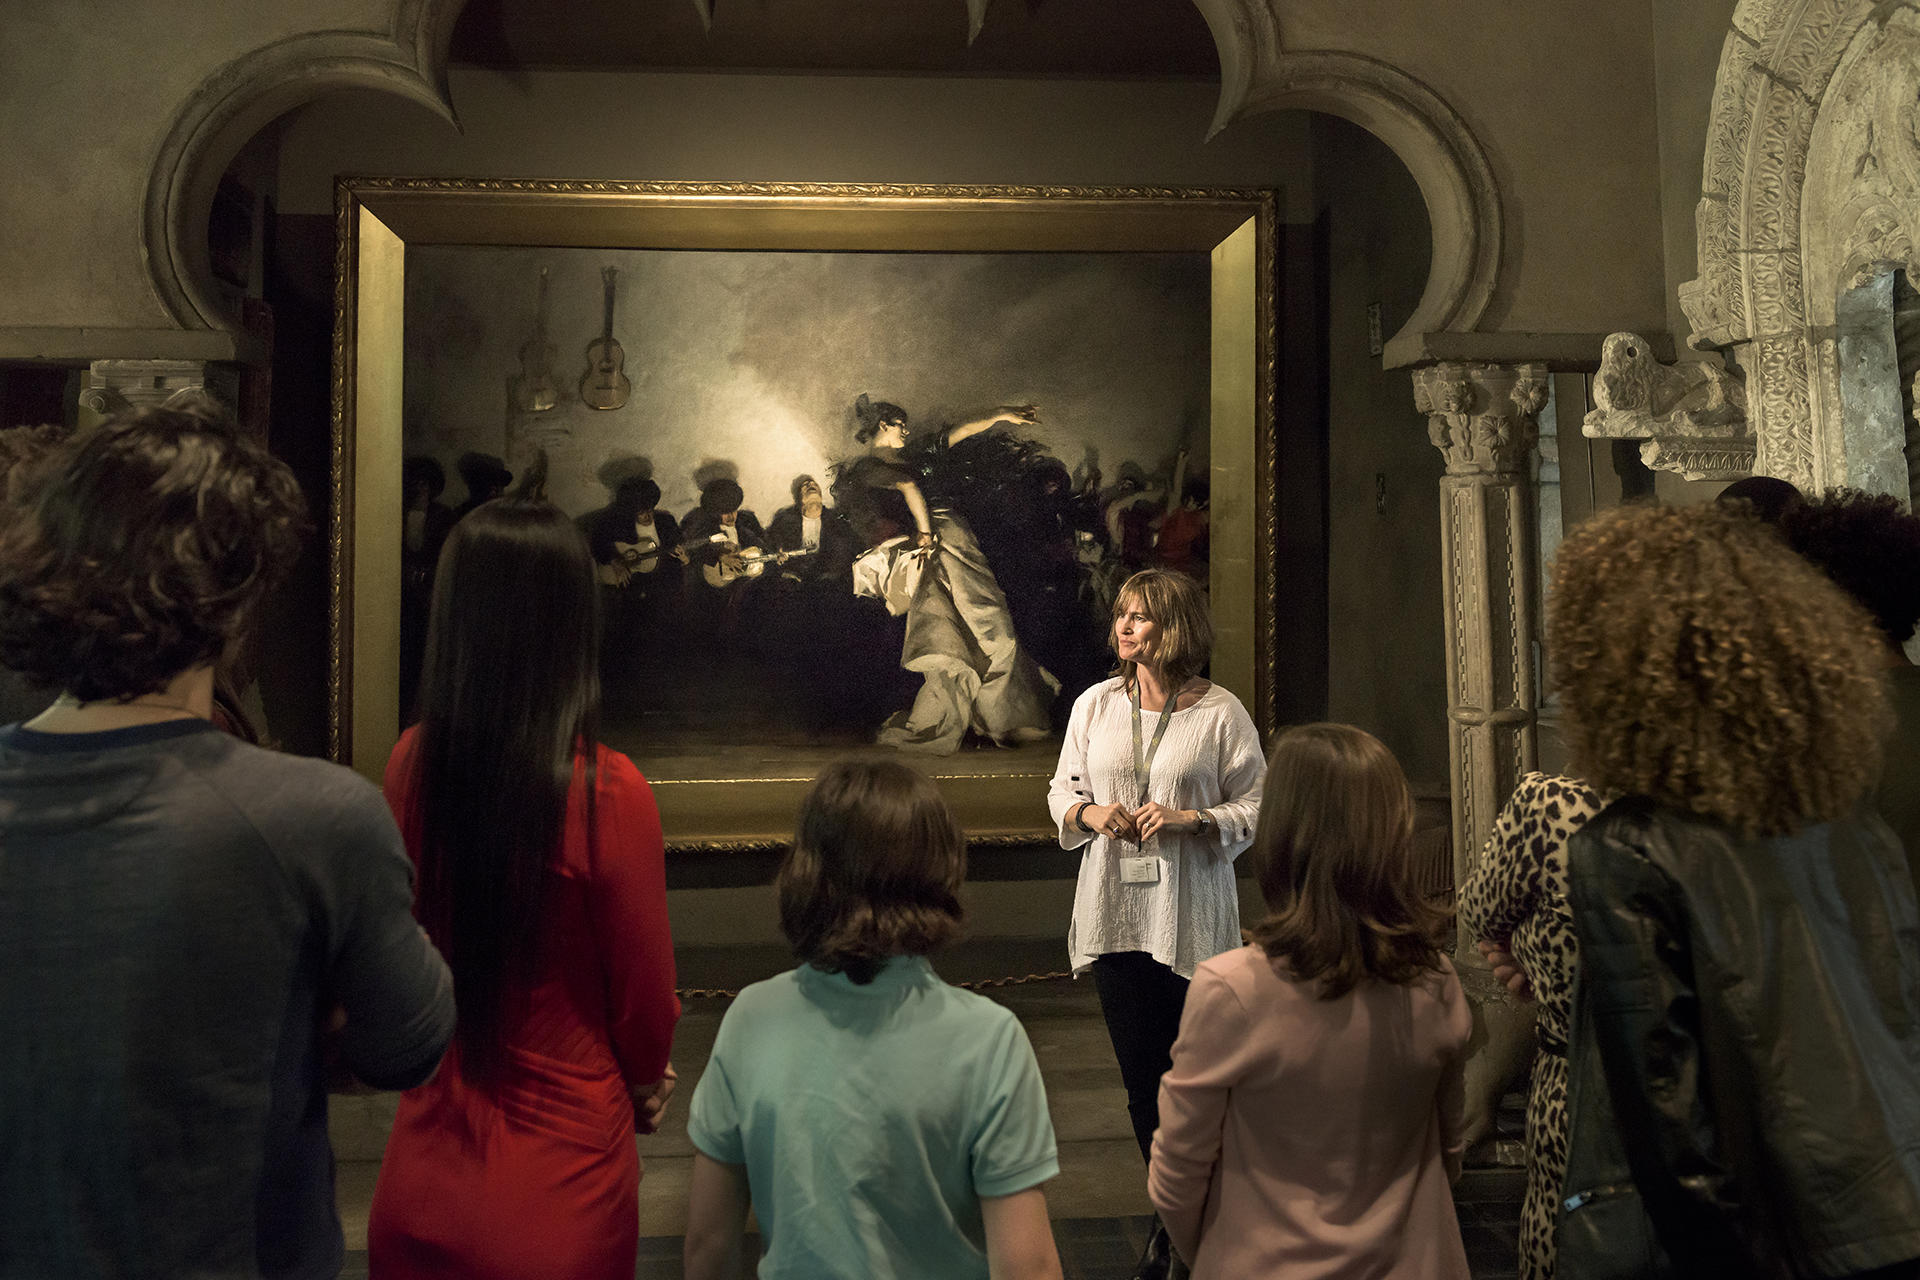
x=539, y=1177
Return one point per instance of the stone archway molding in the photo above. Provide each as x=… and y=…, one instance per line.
x=240, y=99
x=1258, y=74
x=1751, y=296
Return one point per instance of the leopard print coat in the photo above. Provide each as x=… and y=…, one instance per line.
x=1518, y=895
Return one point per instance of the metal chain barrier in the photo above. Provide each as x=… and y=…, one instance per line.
x=722, y=993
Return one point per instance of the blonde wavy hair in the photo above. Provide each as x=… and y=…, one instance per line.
x=1702, y=663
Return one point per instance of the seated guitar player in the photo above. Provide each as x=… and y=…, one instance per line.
x=633, y=544
x=724, y=544
x=633, y=541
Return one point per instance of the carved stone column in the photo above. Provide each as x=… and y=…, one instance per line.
x=1483, y=419
x=111, y=386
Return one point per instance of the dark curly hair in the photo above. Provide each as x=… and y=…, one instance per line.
x=141, y=550
x=23, y=450
x=1701, y=663
x=1870, y=545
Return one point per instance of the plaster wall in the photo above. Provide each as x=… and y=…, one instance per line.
x=1687, y=39
x=87, y=103
x=1561, y=95
x=1387, y=669
x=768, y=128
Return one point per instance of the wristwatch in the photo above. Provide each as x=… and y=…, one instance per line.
x=1202, y=824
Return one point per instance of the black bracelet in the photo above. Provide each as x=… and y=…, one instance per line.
x=1080, y=817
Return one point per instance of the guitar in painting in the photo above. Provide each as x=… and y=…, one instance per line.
x=631, y=559
x=535, y=391
x=748, y=562
x=605, y=384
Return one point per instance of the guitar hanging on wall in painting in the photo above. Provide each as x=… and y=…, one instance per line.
x=535, y=391
x=605, y=384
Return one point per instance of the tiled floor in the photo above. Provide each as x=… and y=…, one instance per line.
x=1098, y=1202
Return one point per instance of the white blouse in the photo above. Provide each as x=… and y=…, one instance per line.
x=1210, y=760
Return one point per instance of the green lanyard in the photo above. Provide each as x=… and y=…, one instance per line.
x=1143, y=762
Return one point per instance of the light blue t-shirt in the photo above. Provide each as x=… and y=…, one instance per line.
x=872, y=1119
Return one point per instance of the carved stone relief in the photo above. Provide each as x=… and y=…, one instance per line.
x=1810, y=185
x=1692, y=415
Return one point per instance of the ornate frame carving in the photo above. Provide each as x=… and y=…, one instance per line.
x=376, y=218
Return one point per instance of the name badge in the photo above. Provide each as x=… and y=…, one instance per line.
x=1141, y=870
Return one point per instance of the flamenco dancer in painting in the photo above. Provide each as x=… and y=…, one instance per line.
x=926, y=564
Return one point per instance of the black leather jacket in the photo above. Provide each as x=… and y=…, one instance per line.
x=1745, y=1061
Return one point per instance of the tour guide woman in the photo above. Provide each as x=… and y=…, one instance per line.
x=1159, y=779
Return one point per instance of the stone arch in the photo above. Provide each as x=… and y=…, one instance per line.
x=240, y=99
x=1257, y=74
x=1799, y=201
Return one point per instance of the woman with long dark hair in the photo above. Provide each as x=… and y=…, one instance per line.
x=542, y=880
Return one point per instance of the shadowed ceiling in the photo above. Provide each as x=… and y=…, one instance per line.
x=1154, y=38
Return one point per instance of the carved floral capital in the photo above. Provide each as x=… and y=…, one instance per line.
x=1481, y=416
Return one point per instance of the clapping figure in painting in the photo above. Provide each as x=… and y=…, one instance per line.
x=926, y=564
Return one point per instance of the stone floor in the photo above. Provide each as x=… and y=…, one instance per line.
x=1098, y=1202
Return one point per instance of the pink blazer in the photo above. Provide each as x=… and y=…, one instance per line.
x=1312, y=1138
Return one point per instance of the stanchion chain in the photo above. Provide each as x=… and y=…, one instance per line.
x=722, y=993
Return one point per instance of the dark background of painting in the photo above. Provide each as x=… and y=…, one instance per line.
x=747, y=364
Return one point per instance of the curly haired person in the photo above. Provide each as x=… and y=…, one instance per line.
x=1870, y=544
x=182, y=915
x=1745, y=1058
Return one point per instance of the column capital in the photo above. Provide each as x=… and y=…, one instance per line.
x=111, y=386
x=1481, y=416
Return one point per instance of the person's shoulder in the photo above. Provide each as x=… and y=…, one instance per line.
x=1537, y=788
x=294, y=800
x=773, y=997
x=1218, y=697
x=1246, y=972
x=1100, y=691
x=616, y=767
x=975, y=1024
x=302, y=780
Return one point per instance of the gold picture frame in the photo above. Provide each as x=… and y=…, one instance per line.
x=379, y=218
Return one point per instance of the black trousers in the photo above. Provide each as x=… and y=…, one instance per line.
x=1141, y=1000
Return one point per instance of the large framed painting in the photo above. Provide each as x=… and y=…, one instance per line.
x=861, y=468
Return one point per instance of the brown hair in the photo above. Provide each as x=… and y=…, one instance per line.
x=140, y=550
x=1702, y=663
x=1183, y=636
x=1334, y=849
x=874, y=871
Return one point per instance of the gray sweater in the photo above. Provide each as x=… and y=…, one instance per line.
x=179, y=912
